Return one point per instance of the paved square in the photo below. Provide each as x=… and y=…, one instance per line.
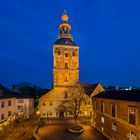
x=59, y=132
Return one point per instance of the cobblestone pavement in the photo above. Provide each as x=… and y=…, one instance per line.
x=59, y=132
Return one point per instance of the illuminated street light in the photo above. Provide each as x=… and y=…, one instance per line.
x=85, y=113
x=37, y=112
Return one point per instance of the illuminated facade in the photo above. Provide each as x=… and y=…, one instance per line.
x=65, y=70
x=118, y=114
x=65, y=75
x=66, y=57
x=12, y=104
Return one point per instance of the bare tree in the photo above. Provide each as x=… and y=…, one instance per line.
x=73, y=101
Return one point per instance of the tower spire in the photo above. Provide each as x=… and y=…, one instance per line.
x=65, y=36
x=65, y=12
x=65, y=16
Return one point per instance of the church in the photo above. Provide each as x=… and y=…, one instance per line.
x=65, y=73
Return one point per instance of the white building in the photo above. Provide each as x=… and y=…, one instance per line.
x=12, y=104
x=24, y=105
x=7, y=106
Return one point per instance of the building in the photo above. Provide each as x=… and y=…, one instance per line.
x=24, y=105
x=118, y=114
x=13, y=104
x=65, y=71
x=65, y=76
x=7, y=104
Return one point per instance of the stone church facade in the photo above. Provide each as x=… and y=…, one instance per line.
x=65, y=73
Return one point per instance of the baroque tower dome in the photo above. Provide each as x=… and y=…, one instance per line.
x=65, y=37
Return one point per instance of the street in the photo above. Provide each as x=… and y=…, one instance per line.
x=59, y=132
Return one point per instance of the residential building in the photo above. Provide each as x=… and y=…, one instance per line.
x=118, y=114
x=7, y=106
x=12, y=104
x=24, y=105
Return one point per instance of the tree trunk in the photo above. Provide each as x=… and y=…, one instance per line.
x=75, y=118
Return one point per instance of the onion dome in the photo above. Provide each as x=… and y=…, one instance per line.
x=64, y=37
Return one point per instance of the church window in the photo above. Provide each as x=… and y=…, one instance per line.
x=73, y=54
x=44, y=103
x=66, y=95
x=66, y=54
x=66, y=79
x=50, y=103
x=59, y=52
x=66, y=65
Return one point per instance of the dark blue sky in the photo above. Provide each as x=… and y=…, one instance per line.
x=107, y=31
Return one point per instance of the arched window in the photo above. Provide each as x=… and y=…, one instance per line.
x=66, y=54
x=50, y=103
x=66, y=95
x=59, y=52
x=44, y=103
x=66, y=65
x=66, y=79
x=73, y=54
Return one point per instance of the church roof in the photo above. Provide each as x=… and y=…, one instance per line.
x=126, y=95
x=88, y=87
x=65, y=41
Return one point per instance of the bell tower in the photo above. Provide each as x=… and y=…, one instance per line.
x=66, y=56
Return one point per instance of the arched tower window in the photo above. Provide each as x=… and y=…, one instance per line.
x=59, y=52
x=66, y=79
x=66, y=54
x=66, y=95
x=73, y=54
x=66, y=65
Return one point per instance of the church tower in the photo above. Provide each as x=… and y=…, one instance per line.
x=66, y=56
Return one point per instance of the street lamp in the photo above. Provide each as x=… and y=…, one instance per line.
x=37, y=112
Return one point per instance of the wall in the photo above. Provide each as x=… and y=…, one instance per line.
x=123, y=128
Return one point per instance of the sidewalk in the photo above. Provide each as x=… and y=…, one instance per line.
x=19, y=131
